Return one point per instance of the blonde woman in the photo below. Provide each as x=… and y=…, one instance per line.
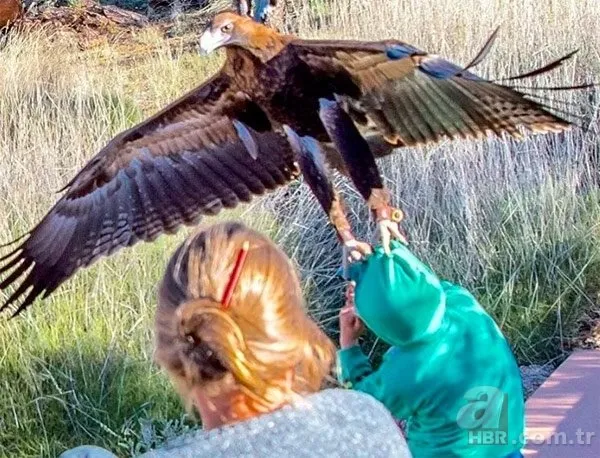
x=233, y=335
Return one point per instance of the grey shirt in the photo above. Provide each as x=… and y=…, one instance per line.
x=332, y=423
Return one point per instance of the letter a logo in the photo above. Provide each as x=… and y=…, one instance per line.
x=484, y=408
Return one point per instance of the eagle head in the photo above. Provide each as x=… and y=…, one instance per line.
x=228, y=29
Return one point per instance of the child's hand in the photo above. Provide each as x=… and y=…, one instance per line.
x=351, y=326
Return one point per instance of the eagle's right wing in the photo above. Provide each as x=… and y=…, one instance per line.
x=211, y=149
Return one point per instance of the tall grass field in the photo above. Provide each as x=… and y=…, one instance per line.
x=516, y=222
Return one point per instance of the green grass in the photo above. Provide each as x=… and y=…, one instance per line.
x=518, y=223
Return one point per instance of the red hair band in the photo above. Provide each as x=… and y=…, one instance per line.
x=235, y=275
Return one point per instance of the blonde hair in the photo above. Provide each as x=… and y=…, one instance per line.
x=259, y=340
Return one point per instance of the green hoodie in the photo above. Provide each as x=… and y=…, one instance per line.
x=450, y=371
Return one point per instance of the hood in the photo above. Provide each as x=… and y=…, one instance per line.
x=397, y=296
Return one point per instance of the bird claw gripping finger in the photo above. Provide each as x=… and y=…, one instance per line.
x=388, y=222
x=389, y=230
x=354, y=251
x=386, y=216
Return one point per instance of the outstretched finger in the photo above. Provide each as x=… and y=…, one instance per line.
x=351, y=287
x=347, y=309
x=350, y=295
x=349, y=290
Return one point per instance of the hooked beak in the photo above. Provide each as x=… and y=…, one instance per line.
x=209, y=41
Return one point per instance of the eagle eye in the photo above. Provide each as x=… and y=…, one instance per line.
x=227, y=28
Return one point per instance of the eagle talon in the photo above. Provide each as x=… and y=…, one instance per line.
x=388, y=221
x=355, y=250
x=388, y=230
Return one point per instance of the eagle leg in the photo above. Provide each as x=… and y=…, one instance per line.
x=311, y=161
x=362, y=168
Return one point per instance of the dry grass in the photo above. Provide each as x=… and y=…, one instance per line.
x=516, y=222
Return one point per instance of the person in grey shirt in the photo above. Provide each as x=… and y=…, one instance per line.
x=233, y=335
x=331, y=423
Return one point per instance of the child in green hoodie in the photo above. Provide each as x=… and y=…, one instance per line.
x=449, y=372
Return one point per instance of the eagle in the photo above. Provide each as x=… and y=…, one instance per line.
x=233, y=138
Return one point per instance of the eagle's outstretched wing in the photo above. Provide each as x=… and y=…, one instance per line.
x=215, y=147
x=211, y=149
x=413, y=98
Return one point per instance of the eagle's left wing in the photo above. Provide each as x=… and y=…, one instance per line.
x=413, y=98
